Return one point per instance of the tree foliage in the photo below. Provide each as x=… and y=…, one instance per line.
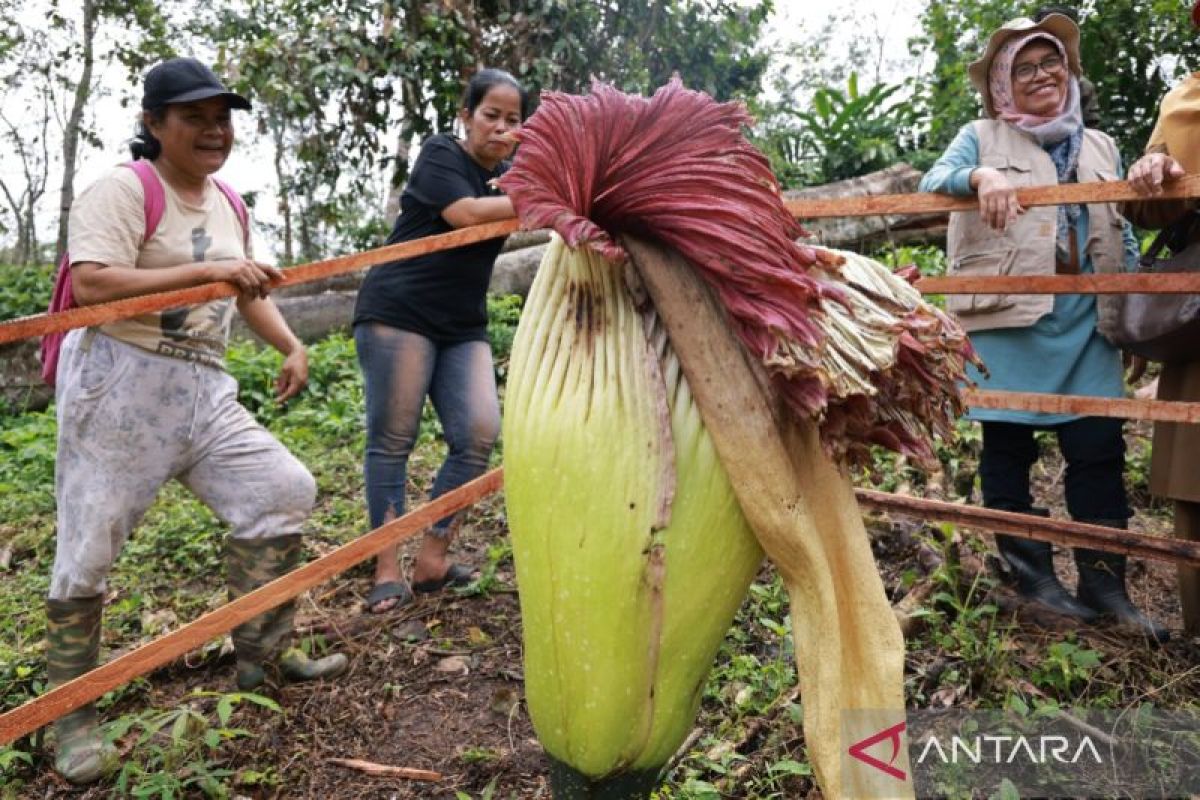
x=847, y=132
x=48, y=82
x=1132, y=50
x=353, y=87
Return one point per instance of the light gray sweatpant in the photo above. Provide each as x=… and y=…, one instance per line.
x=129, y=421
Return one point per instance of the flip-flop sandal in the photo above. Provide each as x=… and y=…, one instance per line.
x=456, y=575
x=388, y=590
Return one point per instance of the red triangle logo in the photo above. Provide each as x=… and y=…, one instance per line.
x=859, y=750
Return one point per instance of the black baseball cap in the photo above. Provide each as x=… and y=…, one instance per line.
x=184, y=80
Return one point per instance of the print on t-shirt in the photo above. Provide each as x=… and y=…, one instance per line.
x=174, y=321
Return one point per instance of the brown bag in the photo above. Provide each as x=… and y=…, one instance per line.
x=1164, y=327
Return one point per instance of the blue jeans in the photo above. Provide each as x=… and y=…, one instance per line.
x=400, y=369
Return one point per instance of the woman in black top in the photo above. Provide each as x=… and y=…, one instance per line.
x=420, y=327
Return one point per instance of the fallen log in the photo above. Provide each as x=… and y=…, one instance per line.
x=311, y=317
x=514, y=271
x=856, y=232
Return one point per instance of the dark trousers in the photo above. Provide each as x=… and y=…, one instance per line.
x=1093, y=448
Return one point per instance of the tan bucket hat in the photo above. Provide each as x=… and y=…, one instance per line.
x=1059, y=26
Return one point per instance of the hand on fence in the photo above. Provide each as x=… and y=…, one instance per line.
x=1150, y=171
x=998, y=205
x=250, y=277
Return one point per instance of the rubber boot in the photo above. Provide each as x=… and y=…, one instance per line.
x=72, y=649
x=1031, y=565
x=1102, y=586
x=263, y=643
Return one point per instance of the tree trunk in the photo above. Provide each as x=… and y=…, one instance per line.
x=83, y=91
x=285, y=192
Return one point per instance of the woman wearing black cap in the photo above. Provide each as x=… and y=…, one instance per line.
x=144, y=400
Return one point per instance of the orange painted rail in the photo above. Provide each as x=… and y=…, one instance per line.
x=86, y=688
x=1142, y=283
x=927, y=203
x=101, y=313
x=1124, y=408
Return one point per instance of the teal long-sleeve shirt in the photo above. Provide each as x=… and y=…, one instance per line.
x=1062, y=353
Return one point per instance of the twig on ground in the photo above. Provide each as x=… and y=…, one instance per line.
x=387, y=770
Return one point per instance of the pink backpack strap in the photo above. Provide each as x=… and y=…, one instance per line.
x=153, y=204
x=155, y=197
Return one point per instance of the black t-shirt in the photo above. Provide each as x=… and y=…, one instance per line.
x=443, y=295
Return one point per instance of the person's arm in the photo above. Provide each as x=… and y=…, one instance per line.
x=477, y=210
x=93, y=282
x=443, y=181
x=958, y=172
x=951, y=173
x=263, y=318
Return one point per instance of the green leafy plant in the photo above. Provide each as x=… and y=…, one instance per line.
x=25, y=290
x=845, y=133
x=1066, y=667
x=503, y=314
x=177, y=752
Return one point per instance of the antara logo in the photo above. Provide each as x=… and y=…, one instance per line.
x=1010, y=749
x=859, y=750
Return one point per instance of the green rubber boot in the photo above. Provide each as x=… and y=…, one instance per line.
x=73, y=648
x=258, y=643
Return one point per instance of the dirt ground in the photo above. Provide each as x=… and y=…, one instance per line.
x=437, y=684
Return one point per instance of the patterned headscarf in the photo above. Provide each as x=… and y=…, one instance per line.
x=1061, y=135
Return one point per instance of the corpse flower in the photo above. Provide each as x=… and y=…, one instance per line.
x=636, y=526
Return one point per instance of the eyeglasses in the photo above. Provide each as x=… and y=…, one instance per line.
x=1051, y=65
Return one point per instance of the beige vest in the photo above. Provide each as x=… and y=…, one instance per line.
x=1027, y=246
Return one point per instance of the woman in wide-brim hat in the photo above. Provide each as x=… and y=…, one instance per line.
x=1032, y=135
x=1173, y=151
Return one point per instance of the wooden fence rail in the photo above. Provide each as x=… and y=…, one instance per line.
x=1027, y=526
x=101, y=313
x=82, y=690
x=1142, y=283
x=1119, y=407
x=926, y=203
